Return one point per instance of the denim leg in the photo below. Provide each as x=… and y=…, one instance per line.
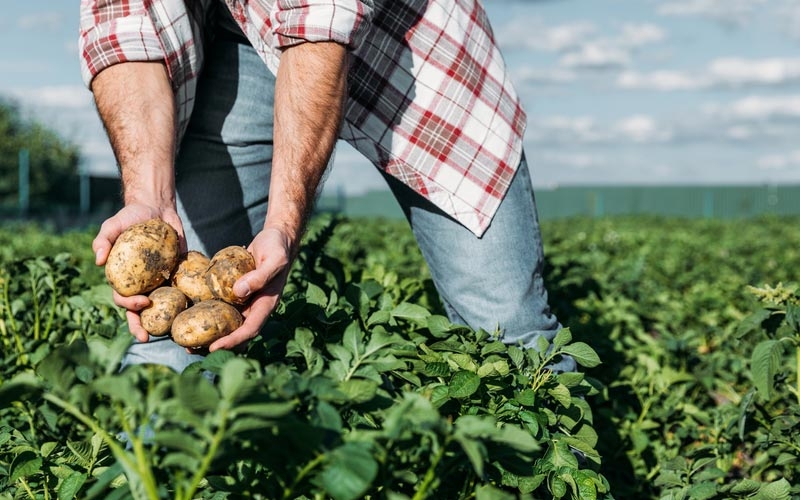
x=222, y=169
x=493, y=282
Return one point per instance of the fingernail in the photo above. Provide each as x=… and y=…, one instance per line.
x=241, y=289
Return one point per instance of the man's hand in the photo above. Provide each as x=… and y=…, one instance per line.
x=136, y=104
x=272, y=251
x=310, y=92
x=108, y=234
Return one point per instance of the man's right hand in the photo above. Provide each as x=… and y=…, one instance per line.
x=109, y=232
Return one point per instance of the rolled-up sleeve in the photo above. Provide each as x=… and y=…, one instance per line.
x=341, y=21
x=112, y=32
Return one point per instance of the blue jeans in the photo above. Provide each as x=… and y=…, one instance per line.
x=222, y=178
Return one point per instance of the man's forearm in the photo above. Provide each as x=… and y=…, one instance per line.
x=309, y=99
x=136, y=103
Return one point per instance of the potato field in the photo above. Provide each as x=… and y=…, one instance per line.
x=687, y=332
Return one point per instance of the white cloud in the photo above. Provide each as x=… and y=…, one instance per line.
x=663, y=80
x=736, y=71
x=548, y=76
x=636, y=35
x=641, y=128
x=47, y=20
x=730, y=12
x=56, y=96
x=779, y=161
x=596, y=55
x=535, y=35
x=728, y=72
x=579, y=161
x=763, y=108
x=638, y=129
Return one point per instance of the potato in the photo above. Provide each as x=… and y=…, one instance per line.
x=227, y=266
x=205, y=322
x=190, y=276
x=166, y=303
x=142, y=258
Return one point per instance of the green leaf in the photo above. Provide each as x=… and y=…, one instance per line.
x=702, y=491
x=352, y=338
x=25, y=464
x=745, y=487
x=232, y=378
x=562, y=338
x=489, y=492
x=196, y=392
x=349, y=471
x=559, y=455
x=752, y=322
x=493, y=348
x=179, y=440
x=379, y=318
x=359, y=390
x=777, y=490
x=587, y=489
x=71, y=485
x=764, y=363
x=20, y=388
x=474, y=450
x=438, y=325
x=411, y=312
x=744, y=406
x=582, y=353
x=315, y=295
x=560, y=393
x=440, y=369
x=464, y=384
x=557, y=486
x=793, y=317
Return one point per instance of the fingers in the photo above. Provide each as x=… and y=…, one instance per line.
x=256, y=314
x=101, y=245
x=135, y=326
x=132, y=306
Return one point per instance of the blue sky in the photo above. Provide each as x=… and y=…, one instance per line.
x=617, y=91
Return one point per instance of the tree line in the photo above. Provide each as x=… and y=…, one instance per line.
x=53, y=178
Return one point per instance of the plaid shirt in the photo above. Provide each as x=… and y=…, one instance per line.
x=430, y=100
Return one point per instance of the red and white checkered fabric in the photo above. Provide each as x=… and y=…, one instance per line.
x=430, y=100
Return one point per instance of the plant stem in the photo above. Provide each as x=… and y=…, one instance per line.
x=142, y=465
x=51, y=317
x=7, y=305
x=116, y=449
x=35, y=298
x=27, y=488
x=287, y=492
x=797, y=373
x=216, y=440
x=430, y=475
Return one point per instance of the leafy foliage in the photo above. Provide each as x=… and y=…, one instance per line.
x=361, y=388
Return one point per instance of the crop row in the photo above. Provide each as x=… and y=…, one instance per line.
x=688, y=333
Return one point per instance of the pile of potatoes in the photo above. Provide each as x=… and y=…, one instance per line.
x=191, y=295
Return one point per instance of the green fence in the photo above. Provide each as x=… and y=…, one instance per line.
x=685, y=201
x=598, y=201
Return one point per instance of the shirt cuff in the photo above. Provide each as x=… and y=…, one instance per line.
x=342, y=21
x=123, y=39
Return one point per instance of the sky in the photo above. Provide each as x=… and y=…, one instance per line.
x=617, y=92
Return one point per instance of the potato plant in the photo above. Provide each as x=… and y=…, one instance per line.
x=360, y=388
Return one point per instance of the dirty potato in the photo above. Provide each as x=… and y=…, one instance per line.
x=142, y=258
x=227, y=266
x=190, y=276
x=203, y=323
x=166, y=303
